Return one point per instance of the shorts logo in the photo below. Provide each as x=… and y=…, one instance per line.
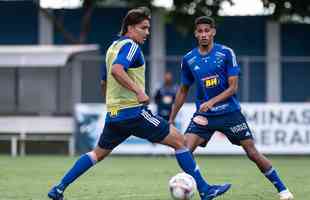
x=200, y=120
x=150, y=118
x=239, y=128
x=247, y=133
x=211, y=81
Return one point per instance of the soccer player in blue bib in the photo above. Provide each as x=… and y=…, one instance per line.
x=214, y=70
x=127, y=112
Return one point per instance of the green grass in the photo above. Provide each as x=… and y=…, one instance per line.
x=146, y=178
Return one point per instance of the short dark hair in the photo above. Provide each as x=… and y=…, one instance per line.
x=204, y=20
x=135, y=16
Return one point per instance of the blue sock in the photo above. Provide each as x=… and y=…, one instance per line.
x=81, y=165
x=274, y=178
x=188, y=165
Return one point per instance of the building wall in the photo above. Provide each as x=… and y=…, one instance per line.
x=19, y=24
x=246, y=35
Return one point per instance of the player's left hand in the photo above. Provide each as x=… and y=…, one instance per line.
x=204, y=107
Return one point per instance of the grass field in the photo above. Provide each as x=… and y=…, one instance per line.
x=145, y=178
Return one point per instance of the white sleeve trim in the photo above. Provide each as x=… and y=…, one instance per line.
x=132, y=51
x=233, y=56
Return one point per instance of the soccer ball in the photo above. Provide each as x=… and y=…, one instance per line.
x=182, y=186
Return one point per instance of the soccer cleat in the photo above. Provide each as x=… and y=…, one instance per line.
x=286, y=195
x=214, y=191
x=55, y=193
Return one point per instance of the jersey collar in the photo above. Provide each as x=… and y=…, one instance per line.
x=207, y=54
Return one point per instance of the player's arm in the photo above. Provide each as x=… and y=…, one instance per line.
x=179, y=101
x=119, y=73
x=125, y=58
x=230, y=91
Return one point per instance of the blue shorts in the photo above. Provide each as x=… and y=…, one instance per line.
x=233, y=125
x=145, y=125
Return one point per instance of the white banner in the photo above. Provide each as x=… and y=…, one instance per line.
x=282, y=128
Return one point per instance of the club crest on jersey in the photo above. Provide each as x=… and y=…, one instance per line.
x=211, y=81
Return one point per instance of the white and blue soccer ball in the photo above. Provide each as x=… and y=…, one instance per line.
x=182, y=186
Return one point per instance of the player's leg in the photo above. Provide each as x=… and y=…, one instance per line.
x=266, y=168
x=192, y=141
x=237, y=131
x=109, y=139
x=157, y=130
x=188, y=164
x=199, y=133
x=85, y=162
x=184, y=157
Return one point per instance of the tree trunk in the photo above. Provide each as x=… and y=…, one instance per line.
x=88, y=9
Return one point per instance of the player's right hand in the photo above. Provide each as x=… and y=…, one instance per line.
x=143, y=98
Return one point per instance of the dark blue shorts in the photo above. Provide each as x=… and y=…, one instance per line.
x=233, y=125
x=145, y=125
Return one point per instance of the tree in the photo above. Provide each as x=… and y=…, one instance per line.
x=288, y=10
x=87, y=8
x=182, y=13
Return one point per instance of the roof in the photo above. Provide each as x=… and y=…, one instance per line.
x=41, y=55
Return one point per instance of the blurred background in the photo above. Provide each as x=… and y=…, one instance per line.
x=52, y=55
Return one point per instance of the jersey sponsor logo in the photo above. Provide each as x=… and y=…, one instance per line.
x=211, y=81
x=220, y=107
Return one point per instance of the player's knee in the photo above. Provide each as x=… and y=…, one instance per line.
x=190, y=146
x=178, y=141
x=99, y=154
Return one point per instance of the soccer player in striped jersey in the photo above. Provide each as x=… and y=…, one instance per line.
x=214, y=70
x=127, y=111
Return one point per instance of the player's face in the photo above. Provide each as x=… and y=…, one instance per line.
x=141, y=31
x=204, y=34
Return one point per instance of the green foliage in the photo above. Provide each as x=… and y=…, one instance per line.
x=183, y=12
x=289, y=10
